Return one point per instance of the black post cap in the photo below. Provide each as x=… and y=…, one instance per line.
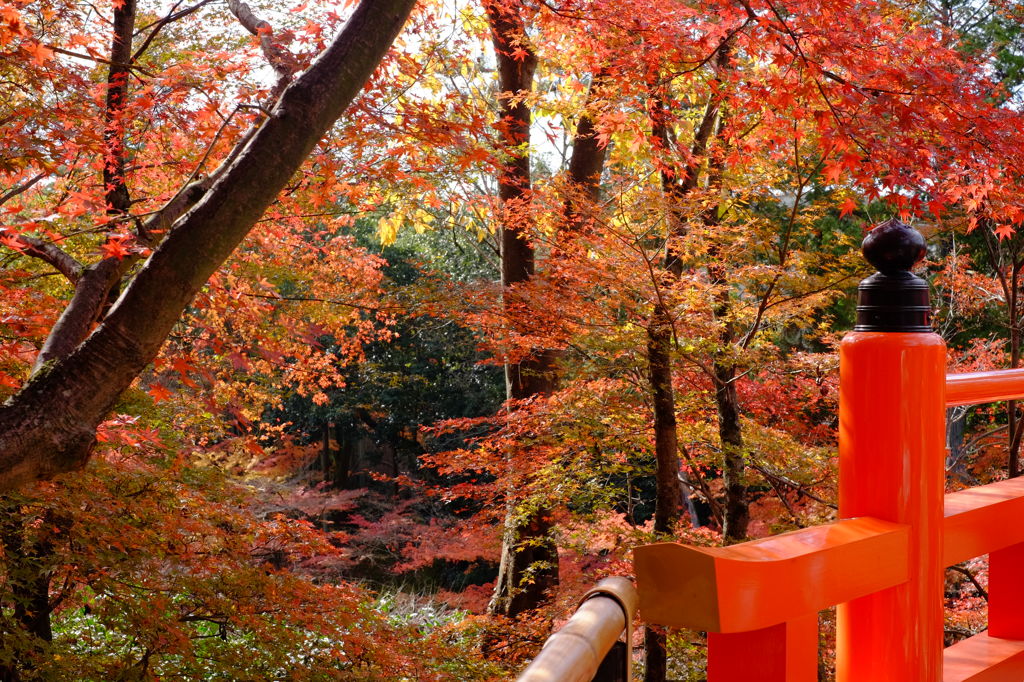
x=893, y=299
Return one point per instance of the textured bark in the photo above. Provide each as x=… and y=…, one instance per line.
x=667, y=508
x=730, y=431
x=528, y=570
x=49, y=426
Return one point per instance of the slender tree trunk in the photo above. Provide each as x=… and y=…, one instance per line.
x=1015, y=427
x=730, y=432
x=1014, y=322
x=676, y=186
x=528, y=570
x=343, y=458
x=667, y=508
x=737, y=512
x=668, y=496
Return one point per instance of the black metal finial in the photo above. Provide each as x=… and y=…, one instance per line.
x=893, y=247
x=893, y=299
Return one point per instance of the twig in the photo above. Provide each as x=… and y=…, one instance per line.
x=970, y=576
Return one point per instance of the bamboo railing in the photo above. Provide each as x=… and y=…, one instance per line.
x=587, y=647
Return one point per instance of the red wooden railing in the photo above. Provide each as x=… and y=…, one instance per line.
x=759, y=600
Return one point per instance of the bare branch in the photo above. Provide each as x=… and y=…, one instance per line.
x=970, y=576
x=160, y=23
x=18, y=189
x=282, y=61
x=47, y=252
x=100, y=60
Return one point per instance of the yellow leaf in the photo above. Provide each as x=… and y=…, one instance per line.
x=387, y=227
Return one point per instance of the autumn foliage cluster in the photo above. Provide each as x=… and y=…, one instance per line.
x=331, y=354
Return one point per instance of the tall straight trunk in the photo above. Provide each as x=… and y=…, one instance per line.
x=736, y=515
x=528, y=570
x=670, y=482
x=667, y=506
x=737, y=512
x=1011, y=284
x=668, y=494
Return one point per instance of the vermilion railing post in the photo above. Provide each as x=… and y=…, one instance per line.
x=787, y=652
x=891, y=445
x=1006, y=592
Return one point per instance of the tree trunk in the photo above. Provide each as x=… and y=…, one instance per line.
x=730, y=432
x=737, y=513
x=1015, y=426
x=1014, y=323
x=28, y=565
x=325, y=453
x=528, y=570
x=667, y=508
x=676, y=185
x=343, y=458
x=666, y=450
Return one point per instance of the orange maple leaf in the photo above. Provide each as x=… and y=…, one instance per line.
x=115, y=247
x=847, y=207
x=159, y=393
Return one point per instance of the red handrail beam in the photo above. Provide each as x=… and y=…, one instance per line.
x=982, y=520
x=984, y=387
x=769, y=581
x=984, y=658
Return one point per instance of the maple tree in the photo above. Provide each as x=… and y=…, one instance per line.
x=221, y=210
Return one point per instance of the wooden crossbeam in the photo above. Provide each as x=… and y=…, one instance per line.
x=764, y=582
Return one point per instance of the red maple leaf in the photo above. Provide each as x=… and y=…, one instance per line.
x=159, y=393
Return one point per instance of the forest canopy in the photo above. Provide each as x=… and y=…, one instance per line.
x=356, y=340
